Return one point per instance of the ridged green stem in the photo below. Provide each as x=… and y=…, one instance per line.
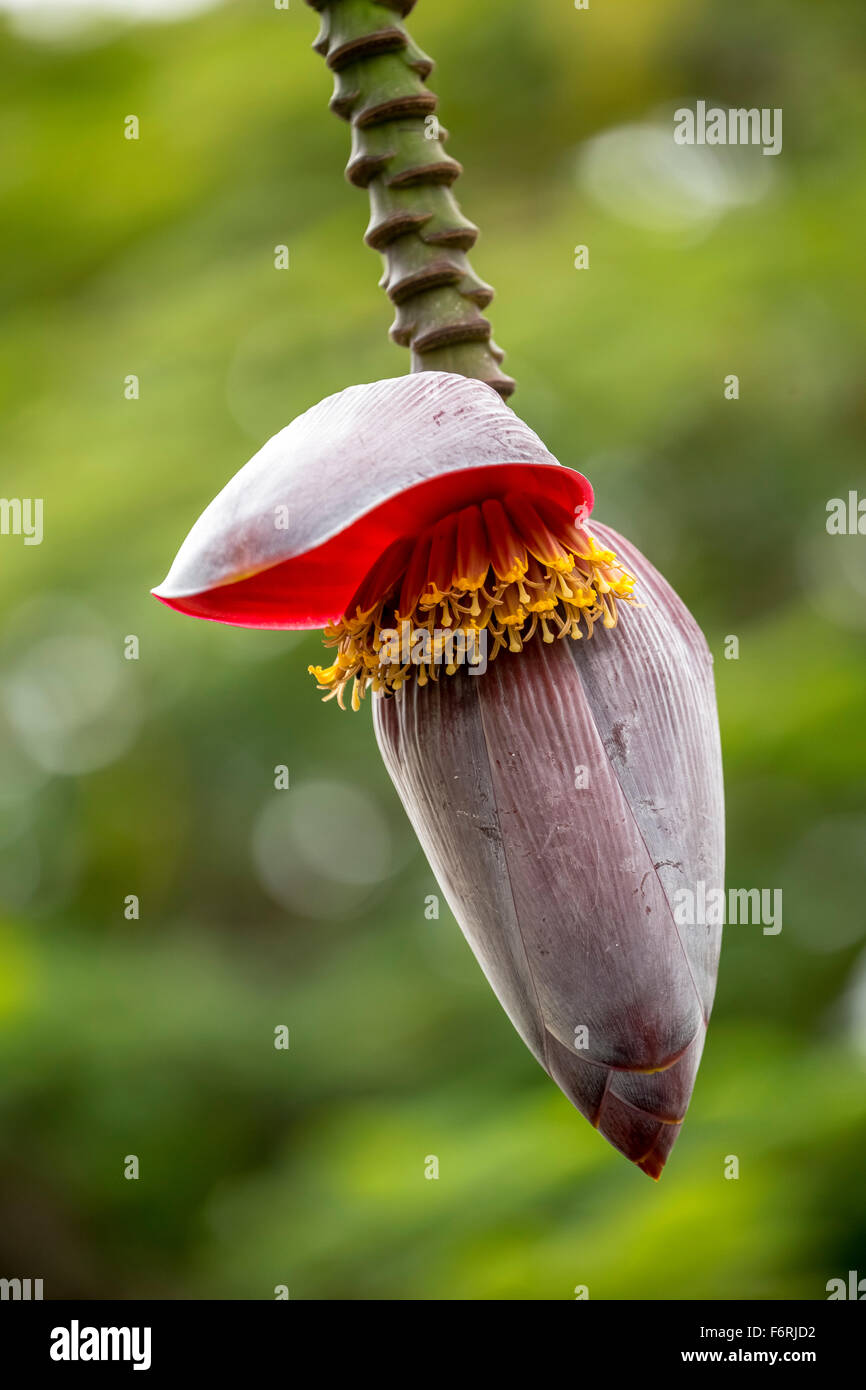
x=398, y=156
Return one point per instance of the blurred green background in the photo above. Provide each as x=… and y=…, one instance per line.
x=155, y=777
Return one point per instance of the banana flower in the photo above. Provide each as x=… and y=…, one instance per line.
x=563, y=794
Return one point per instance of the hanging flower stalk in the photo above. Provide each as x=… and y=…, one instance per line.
x=542, y=699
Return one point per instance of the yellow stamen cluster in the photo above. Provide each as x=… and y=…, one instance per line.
x=381, y=648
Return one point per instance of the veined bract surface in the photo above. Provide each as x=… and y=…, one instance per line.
x=563, y=798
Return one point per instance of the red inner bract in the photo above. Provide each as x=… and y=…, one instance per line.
x=314, y=588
